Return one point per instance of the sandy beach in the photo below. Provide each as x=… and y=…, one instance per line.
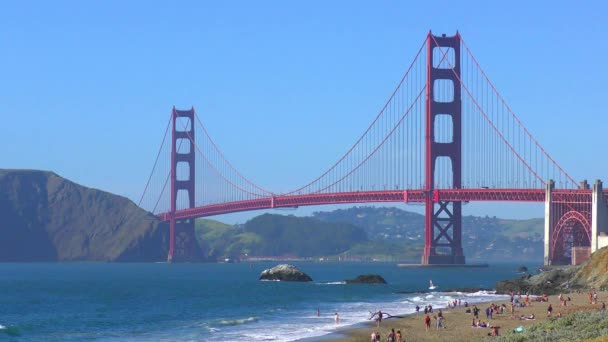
x=458, y=322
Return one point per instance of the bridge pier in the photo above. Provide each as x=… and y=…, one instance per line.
x=547, y=239
x=599, y=218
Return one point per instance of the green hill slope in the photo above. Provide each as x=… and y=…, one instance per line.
x=277, y=235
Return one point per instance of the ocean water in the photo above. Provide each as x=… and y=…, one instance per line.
x=214, y=302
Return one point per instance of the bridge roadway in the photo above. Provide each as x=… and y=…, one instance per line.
x=386, y=196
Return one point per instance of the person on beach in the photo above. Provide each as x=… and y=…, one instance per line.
x=603, y=307
x=337, y=318
x=426, y=309
x=379, y=319
x=417, y=308
x=427, y=322
x=475, y=312
x=391, y=336
x=373, y=337
x=549, y=310
x=398, y=338
x=441, y=322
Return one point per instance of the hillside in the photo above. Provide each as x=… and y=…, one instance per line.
x=48, y=218
x=484, y=238
x=366, y=233
x=591, y=274
x=277, y=235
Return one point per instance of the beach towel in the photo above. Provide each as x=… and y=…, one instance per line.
x=519, y=329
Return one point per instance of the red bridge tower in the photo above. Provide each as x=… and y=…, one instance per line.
x=443, y=219
x=182, y=241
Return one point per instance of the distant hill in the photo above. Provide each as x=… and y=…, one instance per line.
x=47, y=218
x=278, y=235
x=367, y=233
x=484, y=238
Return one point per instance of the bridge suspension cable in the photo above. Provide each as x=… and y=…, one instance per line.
x=498, y=151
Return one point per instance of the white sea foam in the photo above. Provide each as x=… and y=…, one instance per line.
x=332, y=283
x=2, y=327
x=237, y=321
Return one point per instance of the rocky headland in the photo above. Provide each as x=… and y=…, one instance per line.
x=45, y=217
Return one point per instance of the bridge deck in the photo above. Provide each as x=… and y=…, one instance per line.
x=386, y=196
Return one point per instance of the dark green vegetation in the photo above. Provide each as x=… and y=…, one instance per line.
x=591, y=274
x=277, y=235
x=47, y=218
x=366, y=233
x=578, y=326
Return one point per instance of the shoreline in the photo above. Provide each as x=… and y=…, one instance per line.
x=345, y=333
x=458, y=322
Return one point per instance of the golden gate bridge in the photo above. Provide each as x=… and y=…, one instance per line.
x=444, y=137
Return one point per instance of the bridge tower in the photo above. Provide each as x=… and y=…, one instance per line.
x=182, y=240
x=443, y=219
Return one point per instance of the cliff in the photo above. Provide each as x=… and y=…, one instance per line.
x=44, y=217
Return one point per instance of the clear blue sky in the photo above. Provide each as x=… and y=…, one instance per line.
x=283, y=87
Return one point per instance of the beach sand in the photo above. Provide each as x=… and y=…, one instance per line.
x=458, y=323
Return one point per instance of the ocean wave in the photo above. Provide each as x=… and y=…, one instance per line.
x=261, y=337
x=237, y=321
x=332, y=283
x=481, y=293
x=270, y=280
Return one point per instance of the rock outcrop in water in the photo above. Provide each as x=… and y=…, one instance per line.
x=284, y=272
x=47, y=218
x=366, y=279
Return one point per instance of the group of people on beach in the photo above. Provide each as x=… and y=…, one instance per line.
x=439, y=321
x=392, y=336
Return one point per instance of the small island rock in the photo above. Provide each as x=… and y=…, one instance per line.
x=366, y=279
x=284, y=272
x=522, y=269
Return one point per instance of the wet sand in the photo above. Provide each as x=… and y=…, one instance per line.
x=458, y=323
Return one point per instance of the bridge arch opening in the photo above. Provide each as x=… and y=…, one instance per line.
x=573, y=229
x=182, y=171
x=444, y=128
x=443, y=90
x=443, y=177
